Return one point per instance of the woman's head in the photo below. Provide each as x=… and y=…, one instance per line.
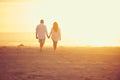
x=55, y=26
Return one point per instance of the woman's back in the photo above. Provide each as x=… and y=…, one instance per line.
x=55, y=35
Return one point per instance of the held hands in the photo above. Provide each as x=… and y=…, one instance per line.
x=36, y=37
x=48, y=37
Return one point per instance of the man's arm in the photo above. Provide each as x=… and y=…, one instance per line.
x=36, y=34
x=50, y=33
x=46, y=32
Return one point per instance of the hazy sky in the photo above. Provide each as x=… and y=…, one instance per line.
x=92, y=21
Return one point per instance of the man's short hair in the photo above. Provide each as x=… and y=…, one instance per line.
x=41, y=21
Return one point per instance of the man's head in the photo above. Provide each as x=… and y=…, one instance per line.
x=42, y=21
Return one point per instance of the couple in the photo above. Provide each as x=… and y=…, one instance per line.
x=41, y=31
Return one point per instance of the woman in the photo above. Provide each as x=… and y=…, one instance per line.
x=55, y=34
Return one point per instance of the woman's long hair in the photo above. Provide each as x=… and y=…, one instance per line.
x=55, y=26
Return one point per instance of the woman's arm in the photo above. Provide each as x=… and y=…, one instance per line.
x=50, y=33
x=60, y=34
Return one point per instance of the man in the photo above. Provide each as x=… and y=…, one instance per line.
x=41, y=31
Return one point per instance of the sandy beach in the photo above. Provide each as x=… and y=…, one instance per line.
x=67, y=63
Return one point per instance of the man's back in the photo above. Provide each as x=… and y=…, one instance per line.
x=41, y=31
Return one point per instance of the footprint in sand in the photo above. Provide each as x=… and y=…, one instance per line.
x=87, y=79
x=34, y=76
x=19, y=75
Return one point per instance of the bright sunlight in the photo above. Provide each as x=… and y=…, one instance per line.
x=82, y=22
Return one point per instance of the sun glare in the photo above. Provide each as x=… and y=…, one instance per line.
x=80, y=23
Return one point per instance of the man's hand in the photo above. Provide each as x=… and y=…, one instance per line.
x=36, y=37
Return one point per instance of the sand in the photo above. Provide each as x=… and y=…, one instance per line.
x=67, y=63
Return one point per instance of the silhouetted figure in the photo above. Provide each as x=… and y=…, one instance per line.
x=55, y=34
x=41, y=31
